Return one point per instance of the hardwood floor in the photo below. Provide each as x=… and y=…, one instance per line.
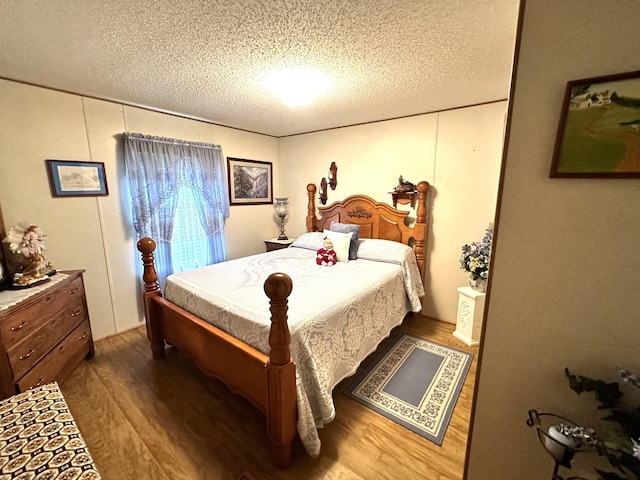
x=147, y=419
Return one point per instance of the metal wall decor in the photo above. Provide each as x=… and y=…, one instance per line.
x=333, y=183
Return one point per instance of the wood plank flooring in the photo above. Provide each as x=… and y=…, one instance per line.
x=164, y=420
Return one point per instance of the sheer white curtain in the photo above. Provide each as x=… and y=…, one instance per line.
x=179, y=198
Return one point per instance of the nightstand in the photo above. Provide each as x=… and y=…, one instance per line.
x=275, y=244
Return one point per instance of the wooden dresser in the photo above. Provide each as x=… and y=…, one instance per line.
x=44, y=336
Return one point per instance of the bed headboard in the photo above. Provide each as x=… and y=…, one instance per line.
x=376, y=219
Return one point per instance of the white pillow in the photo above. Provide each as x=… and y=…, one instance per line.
x=309, y=240
x=387, y=251
x=341, y=242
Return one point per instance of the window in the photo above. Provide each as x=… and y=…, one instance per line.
x=189, y=240
x=179, y=198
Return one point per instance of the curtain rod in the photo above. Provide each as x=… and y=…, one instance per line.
x=168, y=141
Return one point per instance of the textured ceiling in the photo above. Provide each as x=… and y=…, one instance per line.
x=209, y=59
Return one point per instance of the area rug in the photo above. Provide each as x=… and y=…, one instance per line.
x=414, y=382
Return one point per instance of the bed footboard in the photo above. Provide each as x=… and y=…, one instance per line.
x=267, y=381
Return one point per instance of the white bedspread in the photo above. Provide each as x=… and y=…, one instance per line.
x=337, y=315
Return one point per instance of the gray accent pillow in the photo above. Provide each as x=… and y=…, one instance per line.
x=348, y=228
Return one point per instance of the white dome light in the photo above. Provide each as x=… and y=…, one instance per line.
x=297, y=87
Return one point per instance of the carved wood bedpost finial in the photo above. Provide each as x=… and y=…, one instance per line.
x=147, y=246
x=311, y=208
x=281, y=372
x=278, y=287
x=420, y=229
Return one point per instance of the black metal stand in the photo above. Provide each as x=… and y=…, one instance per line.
x=561, y=452
x=282, y=235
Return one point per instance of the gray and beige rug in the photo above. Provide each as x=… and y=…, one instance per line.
x=414, y=382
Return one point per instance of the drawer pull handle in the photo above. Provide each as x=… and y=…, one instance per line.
x=24, y=357
x=76, y=313
x=40, y=381
x=73, y=291
x=82, y=337
x=19, y=327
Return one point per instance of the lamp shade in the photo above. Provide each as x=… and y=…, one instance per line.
x=282, y=206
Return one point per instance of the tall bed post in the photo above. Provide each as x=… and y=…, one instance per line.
x=311, y=208
x=281, y=372
x=146, y=246
x=420, y=228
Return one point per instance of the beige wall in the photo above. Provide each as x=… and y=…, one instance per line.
x=564, y=289
x=94, y=233
x=458, y=152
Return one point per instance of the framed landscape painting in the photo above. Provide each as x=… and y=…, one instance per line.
x=250, y=182
x=71, y=178
x=599, y=131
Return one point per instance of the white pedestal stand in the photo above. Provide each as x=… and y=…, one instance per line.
x=470, y=313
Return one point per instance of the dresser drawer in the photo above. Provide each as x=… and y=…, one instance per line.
x=24, y=354
x=59, y=363
x=22, y=323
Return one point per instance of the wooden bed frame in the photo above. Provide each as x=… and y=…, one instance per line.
x=269, y=381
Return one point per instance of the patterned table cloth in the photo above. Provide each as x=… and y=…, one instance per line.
x=39, y=439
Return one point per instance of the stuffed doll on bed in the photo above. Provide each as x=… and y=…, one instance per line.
x=326, y=256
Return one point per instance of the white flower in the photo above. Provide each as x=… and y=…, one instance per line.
x=636, y=448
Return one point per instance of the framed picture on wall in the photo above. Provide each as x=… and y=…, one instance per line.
x=70, y=178
x=250, y=181
x=599, y=131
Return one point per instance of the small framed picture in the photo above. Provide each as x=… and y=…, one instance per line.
x=70, y=178
x=599, y=130
x=250, y=182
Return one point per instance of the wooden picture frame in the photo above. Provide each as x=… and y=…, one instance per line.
x=250, y=181
x=599, y=131
x=71, y=178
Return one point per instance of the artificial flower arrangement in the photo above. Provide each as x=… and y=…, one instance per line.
x=474, y=260
x=620, y=443
x=26, y=241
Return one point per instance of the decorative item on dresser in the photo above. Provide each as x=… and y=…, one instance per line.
x=45, y=333
x=25, y=255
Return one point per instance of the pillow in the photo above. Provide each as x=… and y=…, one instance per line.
x=346, y=228
x=309, y=240
x=387, y=251
x=341, y=242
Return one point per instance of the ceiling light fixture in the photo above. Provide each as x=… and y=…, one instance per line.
x=297, y=87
